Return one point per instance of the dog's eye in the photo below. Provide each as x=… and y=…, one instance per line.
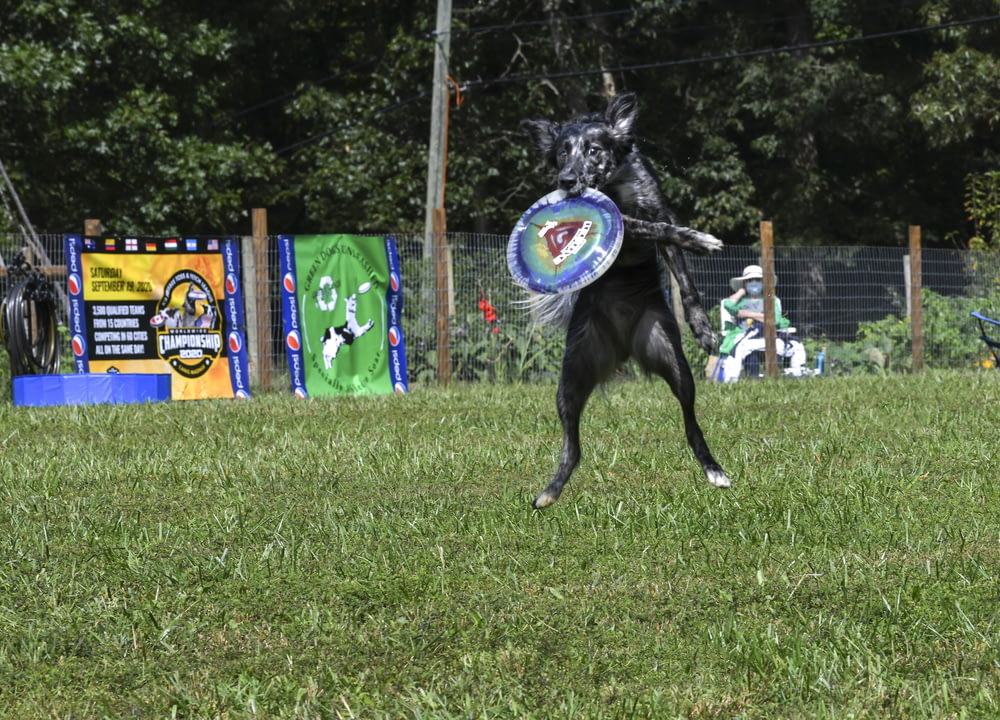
x=593, y=150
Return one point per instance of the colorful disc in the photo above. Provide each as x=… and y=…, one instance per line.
x=563, y=243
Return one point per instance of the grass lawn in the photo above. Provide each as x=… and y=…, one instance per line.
x=378, y=557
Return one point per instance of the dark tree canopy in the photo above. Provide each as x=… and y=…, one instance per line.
x=840, y=122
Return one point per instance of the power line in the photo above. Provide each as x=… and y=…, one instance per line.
x=482, y=29
x=567, y=19
x=232, y=115
x=342, y=126
x=657, y=65
x=735, y=56
x=293, y=93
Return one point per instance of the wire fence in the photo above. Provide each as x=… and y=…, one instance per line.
x=850, y=301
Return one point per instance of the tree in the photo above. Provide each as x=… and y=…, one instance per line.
x=841, y=122
x=983, y=205
x=109, y=112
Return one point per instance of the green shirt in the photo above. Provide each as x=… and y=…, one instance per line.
x=733, y=330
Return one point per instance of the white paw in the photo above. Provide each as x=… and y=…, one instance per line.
x=544, y=500
x=708, y=243
x=718, y=478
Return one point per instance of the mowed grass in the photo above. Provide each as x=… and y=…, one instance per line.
x=378, y=557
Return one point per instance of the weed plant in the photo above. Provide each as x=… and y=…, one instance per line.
x=378, y=558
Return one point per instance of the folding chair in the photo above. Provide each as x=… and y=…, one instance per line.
x=754, y=363
x=984, y=331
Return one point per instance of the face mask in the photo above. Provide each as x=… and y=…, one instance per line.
x=755, y=287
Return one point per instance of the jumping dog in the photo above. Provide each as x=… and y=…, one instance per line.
x=624, y=312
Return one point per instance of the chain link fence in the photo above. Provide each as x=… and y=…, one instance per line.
x=850, y=301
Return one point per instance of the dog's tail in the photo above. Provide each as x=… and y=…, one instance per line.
x=550, y=309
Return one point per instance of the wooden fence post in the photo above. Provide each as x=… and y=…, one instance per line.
x=916, y=307
x=770, y=326
x=676, y=301
x=441, y=304
x=248, y=266
x=262, y=281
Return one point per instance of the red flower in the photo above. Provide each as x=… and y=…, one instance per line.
x=489, y=312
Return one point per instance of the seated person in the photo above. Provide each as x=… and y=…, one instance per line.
x=745, y=335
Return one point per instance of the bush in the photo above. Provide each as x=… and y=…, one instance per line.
x=950, y=334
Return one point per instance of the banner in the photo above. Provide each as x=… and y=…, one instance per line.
x=159, y=305
x=342, y=310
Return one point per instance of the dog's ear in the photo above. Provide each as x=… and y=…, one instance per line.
x=621, y=115
x=542, y=134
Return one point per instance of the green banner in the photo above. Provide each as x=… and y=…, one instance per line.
x=342, y=304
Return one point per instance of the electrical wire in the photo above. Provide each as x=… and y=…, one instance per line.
x=738, y=55
x=228, y=117
x=569, y=19
x=649, y=66
x=554, y=20
x=29, y=321
x=342, y=126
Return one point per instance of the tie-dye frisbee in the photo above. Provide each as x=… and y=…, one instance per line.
x=563, y=243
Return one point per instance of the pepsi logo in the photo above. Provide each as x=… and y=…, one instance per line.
x=400, y=388
x=289, y=282
x=235, y=342
x=293, y=340
x=394, y=336
x=79, y=346
x=74, y=284
x=394, y=282
x=242, y=394
x=231, y=284
x=300, y=392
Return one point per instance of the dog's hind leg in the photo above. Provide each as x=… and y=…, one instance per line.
x=657, y=349
x=570, y=401
x=585, y=364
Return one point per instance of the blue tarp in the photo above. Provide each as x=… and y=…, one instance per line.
x=90, y=388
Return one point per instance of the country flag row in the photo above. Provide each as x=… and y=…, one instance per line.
x=151, y=245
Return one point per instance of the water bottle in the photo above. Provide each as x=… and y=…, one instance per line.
x=821, y=362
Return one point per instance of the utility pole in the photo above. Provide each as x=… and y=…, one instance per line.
x=435, y=220
x=435, y=153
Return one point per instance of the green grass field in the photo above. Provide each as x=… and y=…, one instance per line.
x=378, y=557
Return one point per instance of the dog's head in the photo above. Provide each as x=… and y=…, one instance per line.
x=587, y=150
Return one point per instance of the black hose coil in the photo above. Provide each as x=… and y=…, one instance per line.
x=29, y=321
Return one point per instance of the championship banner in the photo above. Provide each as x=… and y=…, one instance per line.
x=342, y=309
x=159, y=305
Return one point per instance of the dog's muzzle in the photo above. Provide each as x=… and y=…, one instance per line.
x=570, y=181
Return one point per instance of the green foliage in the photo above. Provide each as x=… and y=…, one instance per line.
x=377, y=557
x=178, y=118
x=950, y=336
x=953, y=107
x=982, y=202
x=495, y=343
x=111, y=115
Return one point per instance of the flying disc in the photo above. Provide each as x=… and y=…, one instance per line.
x=563, y=243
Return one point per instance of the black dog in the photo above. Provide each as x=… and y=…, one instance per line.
x=623, y=313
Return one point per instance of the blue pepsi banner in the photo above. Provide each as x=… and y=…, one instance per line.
x=159, y=305
x=342, y=313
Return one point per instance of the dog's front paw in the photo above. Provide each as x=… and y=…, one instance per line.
x=699, y=242
x=701, y=328
x=706, y=339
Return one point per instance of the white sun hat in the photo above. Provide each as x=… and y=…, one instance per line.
x=750, y=272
